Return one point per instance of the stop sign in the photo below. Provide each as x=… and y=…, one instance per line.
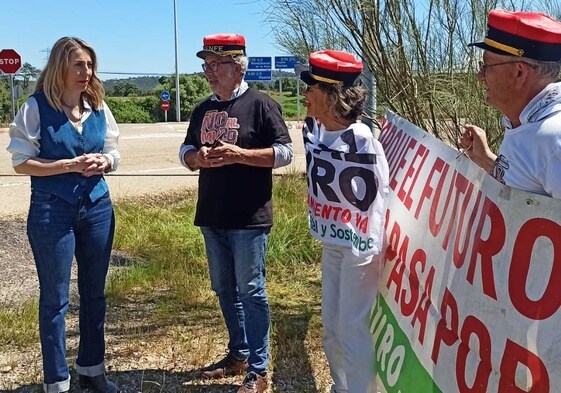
x=10, y=61
x=164, y=105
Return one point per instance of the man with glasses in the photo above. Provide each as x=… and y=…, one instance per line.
x=236, y=137
x=520, y=67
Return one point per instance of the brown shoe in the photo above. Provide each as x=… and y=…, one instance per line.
x=225, y=367
x=254, y=383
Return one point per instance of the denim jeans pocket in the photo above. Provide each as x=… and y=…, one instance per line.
x=42, y=197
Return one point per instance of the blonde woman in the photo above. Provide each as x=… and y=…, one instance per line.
x=65, y=138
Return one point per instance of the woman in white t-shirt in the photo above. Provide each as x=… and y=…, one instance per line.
x=347, y=174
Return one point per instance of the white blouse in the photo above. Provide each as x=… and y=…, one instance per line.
x=25, y=134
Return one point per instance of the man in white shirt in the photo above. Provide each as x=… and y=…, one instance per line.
x=521, y=63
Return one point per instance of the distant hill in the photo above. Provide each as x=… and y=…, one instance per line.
x=144, y=83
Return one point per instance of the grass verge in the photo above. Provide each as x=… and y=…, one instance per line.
x=164, y=321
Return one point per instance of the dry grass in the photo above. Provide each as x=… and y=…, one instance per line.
x=164, y=322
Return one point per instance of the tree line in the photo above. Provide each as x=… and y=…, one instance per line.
x=416, y=50
x=135, y=100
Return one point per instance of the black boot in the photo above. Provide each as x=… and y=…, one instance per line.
x=99, y=383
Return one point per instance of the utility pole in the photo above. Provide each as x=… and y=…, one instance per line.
x=177, y=103
x=368, y=75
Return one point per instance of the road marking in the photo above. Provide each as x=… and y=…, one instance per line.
x=175, y=168
x=155, y=135
x=25, y=183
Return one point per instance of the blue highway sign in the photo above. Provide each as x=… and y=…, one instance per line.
x=258, y=76
x=285, y=62
x=260, y=63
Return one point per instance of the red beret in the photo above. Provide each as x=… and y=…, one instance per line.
x=331, y=66
x=222, y=45
x=532, y=35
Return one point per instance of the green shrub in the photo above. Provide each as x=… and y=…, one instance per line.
x=128, y=110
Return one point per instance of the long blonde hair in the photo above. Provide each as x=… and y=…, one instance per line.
x=53, y=77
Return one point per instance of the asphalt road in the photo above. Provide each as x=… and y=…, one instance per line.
x=149, y=164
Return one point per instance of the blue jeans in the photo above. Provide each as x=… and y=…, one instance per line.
x=236, y=260
x=57, y=232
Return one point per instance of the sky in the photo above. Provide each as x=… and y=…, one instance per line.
x=133, y=36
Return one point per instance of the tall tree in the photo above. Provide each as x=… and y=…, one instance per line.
x=417, y=51
x=192, y=89
x=5, y=102
x=28, y=72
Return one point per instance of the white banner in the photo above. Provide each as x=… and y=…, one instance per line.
x=472, y=275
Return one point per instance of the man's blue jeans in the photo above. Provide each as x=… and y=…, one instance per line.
x=236, y=260
x=57, y=232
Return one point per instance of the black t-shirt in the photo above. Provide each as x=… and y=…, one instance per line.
x=236, y=196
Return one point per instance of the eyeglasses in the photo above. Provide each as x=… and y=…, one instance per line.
x=214, y=65
x=483, y=67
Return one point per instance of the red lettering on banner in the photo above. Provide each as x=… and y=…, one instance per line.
x=412, y=173
x=389, y=253
x=395, y=151
x=407, y=307
x=461, y=187
x=550, y=301
x=387, y=131
x=447, y=328
x=402, y=161
x=473, y=326
x=439, y=167
x=515, y=355
x=487, y=248
x=459, y=255
x=414, y=306
x=434, y=225
x=391, y=141
x=422, y=310
x=396, y=275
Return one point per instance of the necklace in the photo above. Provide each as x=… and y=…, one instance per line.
x=75, y=119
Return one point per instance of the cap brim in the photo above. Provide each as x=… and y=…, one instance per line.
x=204, y=53
x=303, y=72
x=484, y=46
x=306, y=77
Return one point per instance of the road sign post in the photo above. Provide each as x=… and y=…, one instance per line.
x=10, y=63
x=165, y=107
x=165, y=96
x=284, y=62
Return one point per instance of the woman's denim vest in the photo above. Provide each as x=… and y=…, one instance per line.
x=60, y=140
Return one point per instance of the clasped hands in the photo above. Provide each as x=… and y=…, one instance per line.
x=88, y=164
x=219, y=155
